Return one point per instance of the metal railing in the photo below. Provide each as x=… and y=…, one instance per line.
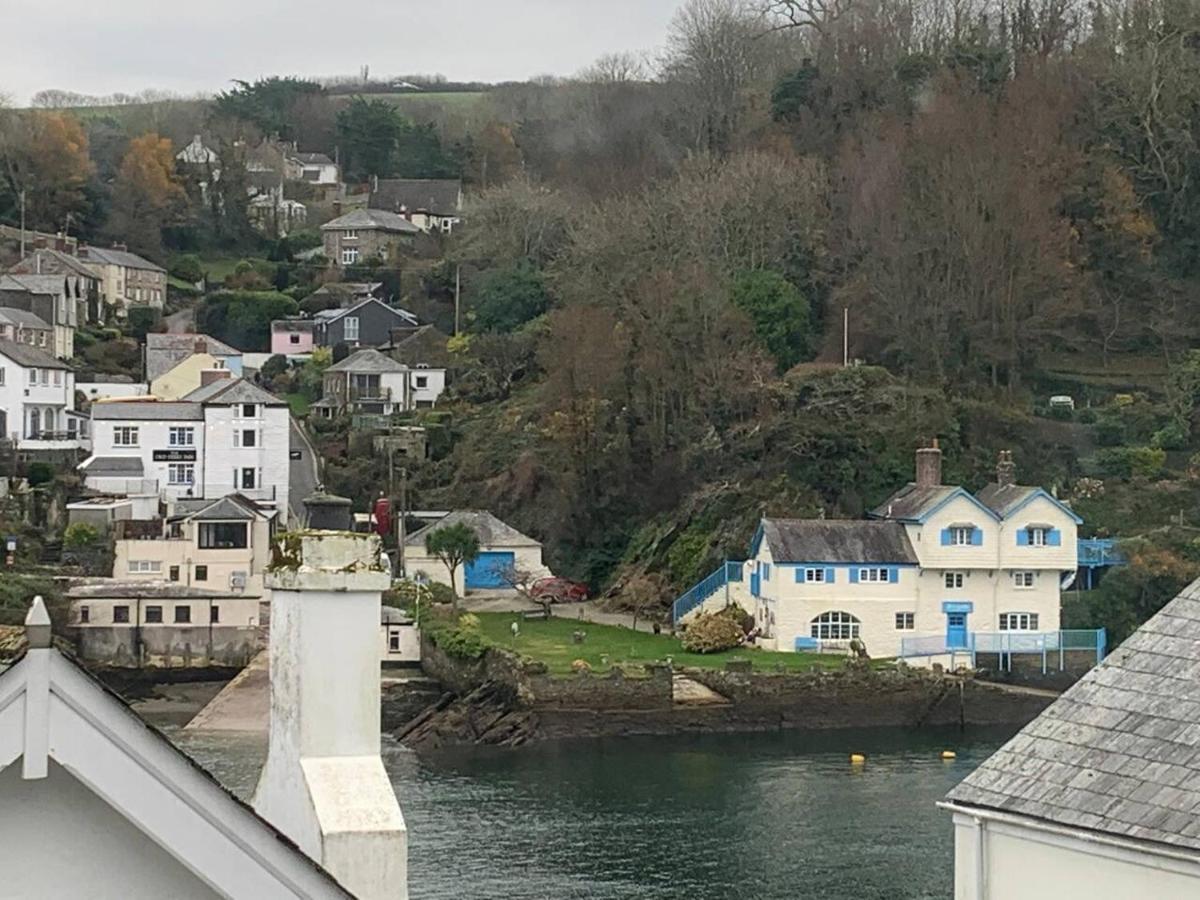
x=1051, y=646
x=1100, y=552
x=705, y=588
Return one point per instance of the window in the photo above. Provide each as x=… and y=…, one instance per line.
x=33, y=376
x=120, y=614
x=248, y=478
x=766, y=571
x=905, y=621
x=349, y=256
x=1018, y=621
x=202, y=573
x=1037, y=537
x=214, y=614
x=1, y=374
x=222, y=535
x=153, y=614
x=294, y=338
x=954, y=581
x=57, y=378
x=41, y=338
x=835, y=626
x=174, y=573
x=85, y=615
x=248, y=410
x=350, y=234
x=45, y=377
x=350, y=328
x=183, y=615
x=814, y=576
x=247, y=437
x=394, y=641
x=873, y=576
x=125, y=436
x=1023, y=580
x=179, y=436
x=181, y=473
x=422, y=381
x=961, y=535
x=144, y=566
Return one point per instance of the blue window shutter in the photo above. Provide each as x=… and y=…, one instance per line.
x=976, y=537
x=854, y=576
x=829, y=575
x=1023, y=537
x=1053, y=538
x=945, y=537
x=893, y=575
x=799, y=575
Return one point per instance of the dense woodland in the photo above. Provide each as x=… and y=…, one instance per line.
x=1001, y=198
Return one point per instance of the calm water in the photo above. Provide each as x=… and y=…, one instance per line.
x=703, y=818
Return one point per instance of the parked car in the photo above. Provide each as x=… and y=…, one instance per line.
x=559, y=590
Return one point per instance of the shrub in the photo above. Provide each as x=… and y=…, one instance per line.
x=735, y=613
x=187, y=268
x=40, y=473
x=712, y=633
x=1172, y=436
x=461, y=638
x=80, y=534
x=1127, y=462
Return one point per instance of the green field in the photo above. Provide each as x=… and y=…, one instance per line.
x=549, y=642
x=299, y=404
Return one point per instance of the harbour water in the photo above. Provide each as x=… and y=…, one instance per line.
x=708, y=817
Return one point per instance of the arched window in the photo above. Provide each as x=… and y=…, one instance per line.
x=835, y=626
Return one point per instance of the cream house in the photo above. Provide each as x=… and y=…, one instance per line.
x=220, y=545
x=194, y=372
x=1099, y=796
x=503, y=552
x=935, y=571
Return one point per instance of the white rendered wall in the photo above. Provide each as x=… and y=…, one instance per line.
x=269, y=457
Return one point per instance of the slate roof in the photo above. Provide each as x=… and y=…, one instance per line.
x=113, y=466
x=33, y=284
x=491, y=531
x=165, y=351
x=367, y=361
x=912, y=502
x=347, y=291
x=312, y=159
x=148, y=410
x=48, y=260
x=231, y=506
x=119, y=589
x=377, y=219
x=227, y=391
x=30, y=357
x=329, y=315
x=22, y=318
x=433, y=195
x=1118, y=753
x=114, y=257
x=837, y=541
x=1000, y=498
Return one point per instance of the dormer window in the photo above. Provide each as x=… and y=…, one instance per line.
x=1039, y=536
x=960, y=535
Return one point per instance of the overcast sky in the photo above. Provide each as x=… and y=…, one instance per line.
x=106, y=46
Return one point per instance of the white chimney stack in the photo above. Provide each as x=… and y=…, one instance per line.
x=324, y=784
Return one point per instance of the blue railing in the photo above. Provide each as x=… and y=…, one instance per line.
x=705, y=589
x=1100, y=552
x=1051, y=646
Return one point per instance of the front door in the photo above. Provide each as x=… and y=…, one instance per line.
x=956, y=630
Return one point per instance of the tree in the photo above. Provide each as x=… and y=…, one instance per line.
x=243, y=318
x=44, y=155
x=147, y=195
x=508, y=298
x=454, y=545
x=779, y=313
x=271, y=105
x=369, y=132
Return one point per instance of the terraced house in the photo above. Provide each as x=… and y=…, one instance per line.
x=934, y=573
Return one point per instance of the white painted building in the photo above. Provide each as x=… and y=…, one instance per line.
x=37, y=400
x=503, y=551
x=1098, y=797
x=367, y=381
x=226, y=437
x=97, y=804
x=935, y=571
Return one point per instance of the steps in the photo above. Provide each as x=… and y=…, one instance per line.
x=720, y=584
x=689, y=692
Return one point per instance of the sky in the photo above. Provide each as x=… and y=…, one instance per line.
x=106, y=46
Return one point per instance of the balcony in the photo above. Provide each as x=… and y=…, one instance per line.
x=370, y=394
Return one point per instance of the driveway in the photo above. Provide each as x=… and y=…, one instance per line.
x=303, y=473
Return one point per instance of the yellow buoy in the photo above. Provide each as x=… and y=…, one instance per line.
x=857, y=759
x=949, y=754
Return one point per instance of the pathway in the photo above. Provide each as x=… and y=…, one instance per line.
x=688, y=692
x=588, y=611
x=303, y=476
x=242, y=705
x=182, y=322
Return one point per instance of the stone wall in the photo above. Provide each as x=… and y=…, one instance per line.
x=167, y=646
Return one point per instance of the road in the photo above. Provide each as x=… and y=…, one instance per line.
x=303, y=474
x=182, y=322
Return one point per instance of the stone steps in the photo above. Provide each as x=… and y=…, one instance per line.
x=689, y=692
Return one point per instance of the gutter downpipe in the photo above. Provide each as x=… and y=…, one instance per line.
x=979, y=871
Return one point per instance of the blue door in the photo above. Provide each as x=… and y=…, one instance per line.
x=956, y=630
x=487, y=569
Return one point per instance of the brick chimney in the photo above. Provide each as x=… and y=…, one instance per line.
x=929, y=465
x=208, y=376
x=199, y=345
x=1006, y=469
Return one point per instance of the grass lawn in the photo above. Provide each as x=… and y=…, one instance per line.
x=549, y=642
x=298, y=403
x=220, y=267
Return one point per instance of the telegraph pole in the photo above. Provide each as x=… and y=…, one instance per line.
x=457, y=287
x=845, y=336
x=22, y=223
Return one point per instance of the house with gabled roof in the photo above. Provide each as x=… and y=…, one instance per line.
x=367, y=323
x=166, y=351
x=367, y=381
x=126, y=279
x=934, y=573
x=80, y=770
x=503, y=553
x=432, y=204
x=364, y=234
x=1099, y=796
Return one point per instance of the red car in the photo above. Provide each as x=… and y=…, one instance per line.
x=559, y=590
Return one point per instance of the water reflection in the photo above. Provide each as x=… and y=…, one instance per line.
x=708, y=817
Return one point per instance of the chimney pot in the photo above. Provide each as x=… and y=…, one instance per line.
x=929, y=466
x=208, y=376
x=1006, y=469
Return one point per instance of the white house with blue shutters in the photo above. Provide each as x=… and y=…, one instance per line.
x=933, y=571
x=505, y=555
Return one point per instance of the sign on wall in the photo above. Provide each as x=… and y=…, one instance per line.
x=174, y=455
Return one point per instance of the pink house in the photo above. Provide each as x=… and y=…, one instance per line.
x=291, y=336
